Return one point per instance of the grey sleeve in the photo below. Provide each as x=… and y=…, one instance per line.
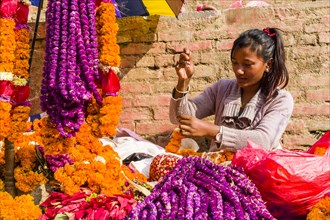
x=201, y=106
x=269, y=130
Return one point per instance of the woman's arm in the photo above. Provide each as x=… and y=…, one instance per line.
x=200, y=107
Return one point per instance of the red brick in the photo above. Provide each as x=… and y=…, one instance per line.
x=146, y=61
x=157, y=48
x=193, y=46
x=137, y=87
x=175, y=36
x=128, y=61
x=225, y=45
x=164, y=60
x=319, y=94
x=314, y=79
x=161, y=113
x=298, y=140
x=143, y=74
x=127, y=124
x=295, y=125
x=311, y=109
x=157, y=127
x=134, y=48
x=324, y=37
x=136, y=114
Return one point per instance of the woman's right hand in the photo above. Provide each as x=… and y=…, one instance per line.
x=185, y=67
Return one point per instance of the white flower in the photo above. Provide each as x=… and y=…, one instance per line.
x=7, y=76
x=86, y=162
x=100, y=159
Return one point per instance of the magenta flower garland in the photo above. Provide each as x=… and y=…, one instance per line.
x=199, y=189
x=70, y=74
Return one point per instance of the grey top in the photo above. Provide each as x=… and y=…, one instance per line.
x=263, y=122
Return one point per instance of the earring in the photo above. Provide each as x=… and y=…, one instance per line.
x=267, y=69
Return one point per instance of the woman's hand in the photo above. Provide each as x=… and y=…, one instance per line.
x=193, y=127
x=185, y=67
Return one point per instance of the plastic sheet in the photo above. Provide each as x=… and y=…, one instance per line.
x=290, y=182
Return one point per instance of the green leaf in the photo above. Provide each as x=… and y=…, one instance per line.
x=61, y=217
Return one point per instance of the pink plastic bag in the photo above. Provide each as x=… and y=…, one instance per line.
x=290, y=182
x=323, y=142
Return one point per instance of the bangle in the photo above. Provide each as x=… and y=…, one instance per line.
x=219, y=137
x=183, y=92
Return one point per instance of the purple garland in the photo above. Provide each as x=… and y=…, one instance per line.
x=199, y=189
x=71, y=63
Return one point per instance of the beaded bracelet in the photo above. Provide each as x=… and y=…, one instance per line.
x=183, y=92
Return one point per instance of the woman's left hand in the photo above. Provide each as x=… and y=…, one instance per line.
x=193, y=127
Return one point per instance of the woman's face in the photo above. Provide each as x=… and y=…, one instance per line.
x=248, y=67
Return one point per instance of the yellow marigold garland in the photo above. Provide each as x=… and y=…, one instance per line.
x=50, y=138
x=5, y=120
x=7, y=45
x=109, y=115
x=22, y=55
x=107, y=29
x=19, y=122
x=216, y=157
x=22, y=207
x=2, y=186
x=320, y=210
x=25, y=174
x=7, y=57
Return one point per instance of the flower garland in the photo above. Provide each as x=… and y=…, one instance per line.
x=19, y=122
x=105, y=121
x=199, y=189
x=7, y=57
x=216, y=157
x=22, y=207
x=26, y=172
x=70, y=72
x=320, y=210
x=22, y=55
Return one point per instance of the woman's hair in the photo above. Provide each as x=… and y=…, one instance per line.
x=268, y=44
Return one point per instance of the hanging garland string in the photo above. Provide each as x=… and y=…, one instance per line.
x=70, y=68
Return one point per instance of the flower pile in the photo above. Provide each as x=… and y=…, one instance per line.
x=199, y=189
x=70, y=73
x=320, y=210
x=87, y=205
x=216, y=157
x=22, y=207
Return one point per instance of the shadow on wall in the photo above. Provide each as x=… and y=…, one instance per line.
x=136, y=37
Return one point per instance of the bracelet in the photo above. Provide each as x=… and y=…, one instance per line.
x=220, y=137
x=182, y=92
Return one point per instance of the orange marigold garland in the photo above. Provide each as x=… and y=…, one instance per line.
x=216, y=157
x=7, y=57
x=22, y=207
x=107, y=29
x=109, y=114
x=320, y=210
x=19, y=122
x=22, y=55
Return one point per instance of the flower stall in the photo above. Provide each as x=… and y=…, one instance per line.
x=87, y=168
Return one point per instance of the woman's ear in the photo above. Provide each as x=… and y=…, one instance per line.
x=269, y=65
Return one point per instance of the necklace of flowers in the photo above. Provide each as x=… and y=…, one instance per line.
x=71, y=60
x=105, y=120
x=199, y=189
x=7, y=58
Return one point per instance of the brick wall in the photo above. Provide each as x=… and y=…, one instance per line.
x=151, y=45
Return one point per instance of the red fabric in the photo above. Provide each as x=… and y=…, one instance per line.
x=161, y=165
x=20, y=94
x=8, y=8
x=110, y=82
x=22, y=13
x=6, y=88
x=289, y=182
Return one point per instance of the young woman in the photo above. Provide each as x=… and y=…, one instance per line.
x=254, y=106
